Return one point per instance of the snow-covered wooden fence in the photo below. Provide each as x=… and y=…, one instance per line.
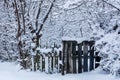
x=79, y=57
x=73, y=57
x=47, y=60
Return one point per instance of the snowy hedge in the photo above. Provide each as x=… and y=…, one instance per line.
x=109, y=49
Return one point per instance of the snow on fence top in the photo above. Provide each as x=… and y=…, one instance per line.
x=79, y=40
x=48, y=50
x=44, y=50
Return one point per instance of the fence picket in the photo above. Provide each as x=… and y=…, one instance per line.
x=91, y=56
x=80, y=58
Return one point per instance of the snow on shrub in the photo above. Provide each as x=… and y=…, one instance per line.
x=109, y=49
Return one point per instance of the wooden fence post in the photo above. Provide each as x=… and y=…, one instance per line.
x=91, y=43
x=51, y=63
x=74, y=55
x=63, y=58
x=68, y=66
x=85, y=53
x=43, y=64
x=80, y=58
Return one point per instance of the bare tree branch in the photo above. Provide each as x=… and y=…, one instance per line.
x=39, y=10
x=18, y=20
x=23, y=16
x=45, y=18
x=111, y=5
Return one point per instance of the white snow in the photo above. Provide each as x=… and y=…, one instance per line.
x=44, y=50
x=11, y=71
x=70, y=2
x=79, y=40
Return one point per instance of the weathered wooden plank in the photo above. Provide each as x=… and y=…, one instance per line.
x=70, y=59
x=91, y=55
x=67, y=56
x=74, y=56
x=80, y=58
x=63, y=57
x=85, y=53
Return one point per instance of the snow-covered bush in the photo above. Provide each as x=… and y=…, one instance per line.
x=109, y=49
x=8, y=41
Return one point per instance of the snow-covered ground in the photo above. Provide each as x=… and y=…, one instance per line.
x=9, y=71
